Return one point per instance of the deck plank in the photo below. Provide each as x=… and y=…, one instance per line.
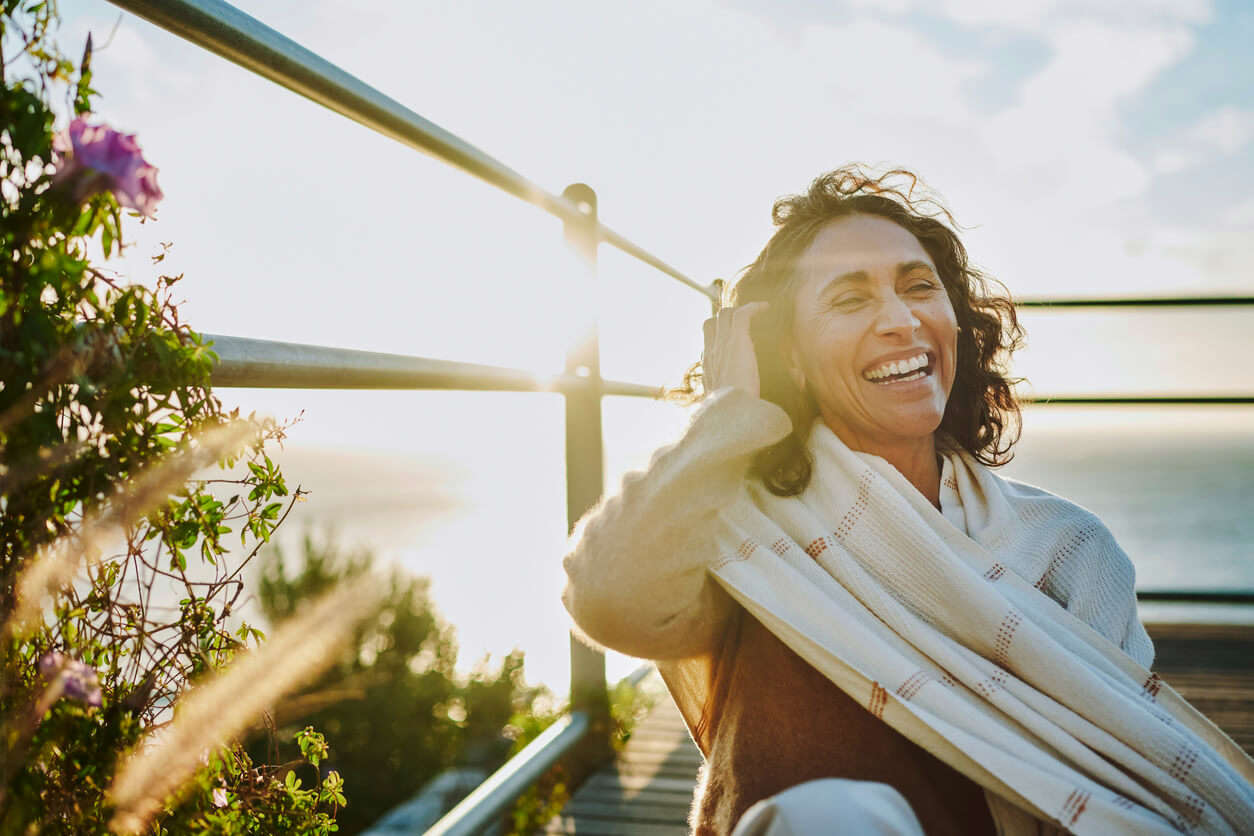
x=648, y=789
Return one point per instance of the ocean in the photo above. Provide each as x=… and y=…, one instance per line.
x=468, y=490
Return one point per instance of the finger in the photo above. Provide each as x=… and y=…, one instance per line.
x=745, y=314
x=708, y=331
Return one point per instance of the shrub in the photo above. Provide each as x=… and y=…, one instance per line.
x=393, y=707
x=106, y=415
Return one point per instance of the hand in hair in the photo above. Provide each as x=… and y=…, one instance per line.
x=729, y=359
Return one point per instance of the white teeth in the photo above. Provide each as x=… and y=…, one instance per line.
x=898, y=367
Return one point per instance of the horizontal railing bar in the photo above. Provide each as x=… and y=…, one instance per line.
x=1197, y=596
x=1138, y=302
x=231, y=34
x=268, y=364
x=491, y=799
x=612, y=238
x=1134, y=400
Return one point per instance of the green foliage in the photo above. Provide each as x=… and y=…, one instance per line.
x=102, y=389
x=544, y=799
x=628, y=704
x=393, y=708
x=234, y=796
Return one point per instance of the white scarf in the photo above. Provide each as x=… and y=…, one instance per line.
x=948, y=626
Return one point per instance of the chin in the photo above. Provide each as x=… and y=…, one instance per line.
x=915, y=426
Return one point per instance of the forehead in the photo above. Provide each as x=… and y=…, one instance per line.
x=860, y=243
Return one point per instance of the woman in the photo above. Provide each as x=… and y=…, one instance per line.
x=836, y=585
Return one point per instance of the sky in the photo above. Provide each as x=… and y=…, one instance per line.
x=1102, y=148
x=1099, y=147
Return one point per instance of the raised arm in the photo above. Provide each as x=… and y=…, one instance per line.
x=636, y=574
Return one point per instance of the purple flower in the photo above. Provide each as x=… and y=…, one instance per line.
x=50, y=664
x=76, y=680
x=96, y=158
x=219, y=797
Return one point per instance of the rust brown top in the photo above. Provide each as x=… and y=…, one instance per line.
x=774, y=722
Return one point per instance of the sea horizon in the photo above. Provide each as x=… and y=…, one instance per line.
x=1175, y=485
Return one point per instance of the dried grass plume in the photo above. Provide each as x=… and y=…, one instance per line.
x=53, y=567
x=219, y=710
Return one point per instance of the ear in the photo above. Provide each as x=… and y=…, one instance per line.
x=794, y=366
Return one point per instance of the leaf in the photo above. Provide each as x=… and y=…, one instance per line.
x=85, y=219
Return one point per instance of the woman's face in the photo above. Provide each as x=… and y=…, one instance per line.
x=875, y=336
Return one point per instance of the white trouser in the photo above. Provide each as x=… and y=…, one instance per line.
x=831, y=805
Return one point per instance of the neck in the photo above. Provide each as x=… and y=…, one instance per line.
x=914, y=458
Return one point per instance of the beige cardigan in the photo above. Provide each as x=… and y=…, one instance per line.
x=1032, y=609
x=638, y=584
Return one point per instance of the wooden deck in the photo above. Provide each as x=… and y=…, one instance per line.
x=646, y=791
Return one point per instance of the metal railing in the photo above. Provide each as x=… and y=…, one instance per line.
x=491, y=799
x=226, y=31
x=267, y=364
x=583, y=741
x=1138, y=302
x=583, y=737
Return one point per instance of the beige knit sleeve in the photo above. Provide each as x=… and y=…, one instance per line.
x=636, y=571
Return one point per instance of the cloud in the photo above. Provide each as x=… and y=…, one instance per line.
x=1241, y=215
x=1063, y=135
x=1035, y=15
x=125, y=46
x=1024, y=14
x=1220, y=133
x=687, y=116
x=1226, y=130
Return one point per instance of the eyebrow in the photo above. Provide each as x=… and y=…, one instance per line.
x=862, y=277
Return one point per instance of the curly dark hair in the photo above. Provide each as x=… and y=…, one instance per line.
x=982, y=414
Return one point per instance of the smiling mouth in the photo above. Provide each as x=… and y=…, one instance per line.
x=900, y=371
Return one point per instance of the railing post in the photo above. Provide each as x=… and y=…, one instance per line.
x=584, y=478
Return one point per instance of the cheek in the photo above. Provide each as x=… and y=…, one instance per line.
x=945, y=325
x=825, y=346
x=955, y=350
x=833, y=367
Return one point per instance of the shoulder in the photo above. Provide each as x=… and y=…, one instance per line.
x=1077, y=561
x=1070, y=540
x=1066, y=524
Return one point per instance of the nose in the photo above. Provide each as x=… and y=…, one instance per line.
x=895, y=318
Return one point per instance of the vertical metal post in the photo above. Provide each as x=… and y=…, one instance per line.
x=584, y=478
